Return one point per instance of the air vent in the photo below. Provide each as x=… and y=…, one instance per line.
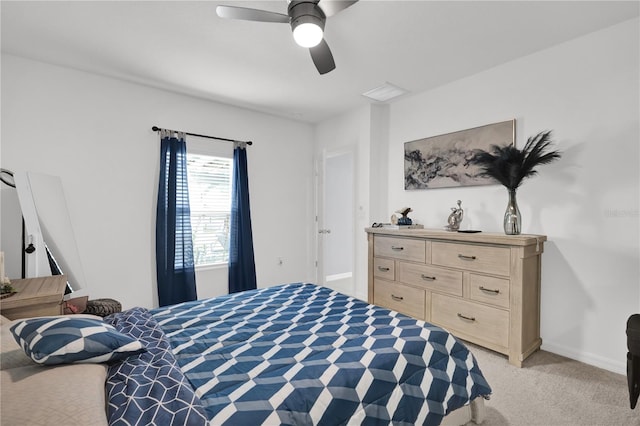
x=385, y=93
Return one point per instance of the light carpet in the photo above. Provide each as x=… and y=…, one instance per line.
x=553, y=390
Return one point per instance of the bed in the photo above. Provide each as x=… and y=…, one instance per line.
x=294, y=354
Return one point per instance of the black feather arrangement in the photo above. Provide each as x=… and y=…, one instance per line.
x=510, y=165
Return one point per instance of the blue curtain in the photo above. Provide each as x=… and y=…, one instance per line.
x=242, y=268
x=174, y=246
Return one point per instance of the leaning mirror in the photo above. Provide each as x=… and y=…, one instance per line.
x=48, y=228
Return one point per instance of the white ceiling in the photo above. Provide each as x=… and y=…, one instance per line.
x=184, y=47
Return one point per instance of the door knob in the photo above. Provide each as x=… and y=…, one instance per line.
x=324, y=231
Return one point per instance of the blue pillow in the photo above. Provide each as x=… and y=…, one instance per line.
x=64, y=340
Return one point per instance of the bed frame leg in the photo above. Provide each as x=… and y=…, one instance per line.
x=478, y=410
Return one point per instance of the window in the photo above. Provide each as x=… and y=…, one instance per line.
x=210, y=201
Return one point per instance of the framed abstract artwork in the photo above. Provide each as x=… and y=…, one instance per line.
x=444, y=161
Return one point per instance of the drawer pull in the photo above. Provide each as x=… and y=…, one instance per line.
x=427, y=277
x=463, y=257
x=396, y=248
x=383, y=269
x=397, y=298
x=466, y=318
x=488, y=290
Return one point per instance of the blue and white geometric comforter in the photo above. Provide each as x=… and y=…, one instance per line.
x=302, y=354
x=296, y=354
x=149, y=388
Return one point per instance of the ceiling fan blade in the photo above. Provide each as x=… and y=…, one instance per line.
x=246, y=14
x=331, y=7
x=322, y=57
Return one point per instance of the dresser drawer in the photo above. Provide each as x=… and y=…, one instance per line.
x=431, y=277
x=401, y=248
x=399, y=297
x=492, y=290
x=384, y=268
x=488, y=259
x=474, y=320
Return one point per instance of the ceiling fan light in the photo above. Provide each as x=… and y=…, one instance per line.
x=307, y=34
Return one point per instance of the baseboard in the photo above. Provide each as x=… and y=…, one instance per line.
x=615, y=366
x=336, y=277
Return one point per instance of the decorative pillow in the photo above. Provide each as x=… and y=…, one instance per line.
x=65, y=340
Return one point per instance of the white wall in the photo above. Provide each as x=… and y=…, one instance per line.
x=95, y=133
x=587, y=92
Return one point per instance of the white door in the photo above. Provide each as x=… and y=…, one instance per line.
x=335, y=222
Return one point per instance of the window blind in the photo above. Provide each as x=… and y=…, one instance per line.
x=210, y=200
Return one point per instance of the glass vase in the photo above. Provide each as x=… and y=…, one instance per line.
x=512, y=219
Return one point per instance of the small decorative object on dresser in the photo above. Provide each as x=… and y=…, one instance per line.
x=3, y=279
x=455, y=218
x=404, y=220
x=6, y=290
x=482, y=287
x=509, y=166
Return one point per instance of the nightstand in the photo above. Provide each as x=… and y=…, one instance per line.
x=35, y=297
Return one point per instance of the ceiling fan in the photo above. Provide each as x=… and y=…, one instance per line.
x=307, y=19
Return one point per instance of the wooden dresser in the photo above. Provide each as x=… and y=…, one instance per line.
x=483, y=287
x=35, y=297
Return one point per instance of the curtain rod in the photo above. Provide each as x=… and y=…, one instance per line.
x=156, y=129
